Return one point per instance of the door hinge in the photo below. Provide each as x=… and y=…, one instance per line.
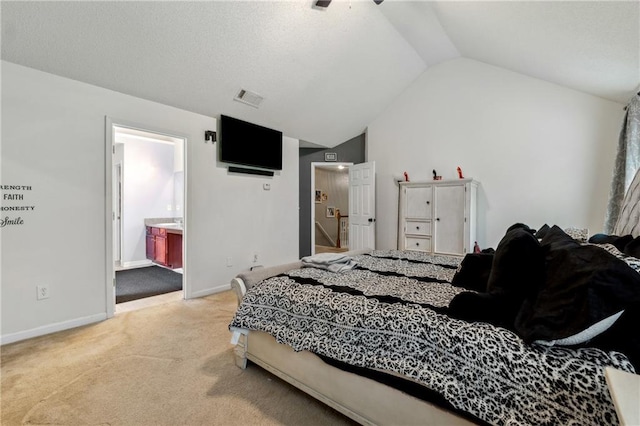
x=113, y=149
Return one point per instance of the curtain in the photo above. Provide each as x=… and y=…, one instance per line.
x=627, y=162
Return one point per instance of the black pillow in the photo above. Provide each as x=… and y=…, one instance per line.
x=584, y=285
x=520, y=226
x=517, y=270
x=473, y=273
x=555, y=238
x=625, y=244
x=542, y=231
x=632, y=248
x=518, y=266
x=622, y=242
x=603, y=239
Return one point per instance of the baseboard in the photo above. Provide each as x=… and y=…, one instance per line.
x=51, y=328
x=208, y=291
x=135, y=264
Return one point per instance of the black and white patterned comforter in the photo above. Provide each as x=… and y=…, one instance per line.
x=389, y=314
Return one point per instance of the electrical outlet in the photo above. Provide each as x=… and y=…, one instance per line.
x=42, y=292
x=255, y=257
x=229, y=261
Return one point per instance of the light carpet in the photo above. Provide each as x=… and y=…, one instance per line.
x=165, y=365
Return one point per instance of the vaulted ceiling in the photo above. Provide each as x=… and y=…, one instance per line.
x=325, y=74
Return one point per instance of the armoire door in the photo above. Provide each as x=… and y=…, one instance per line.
x=449, y=219
x=418, y=202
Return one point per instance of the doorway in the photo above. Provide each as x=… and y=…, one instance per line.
x=148, y=198
x=329, y=207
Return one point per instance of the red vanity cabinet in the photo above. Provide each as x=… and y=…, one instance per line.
x=164, y=246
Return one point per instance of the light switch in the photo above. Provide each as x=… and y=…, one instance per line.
x=266, y=186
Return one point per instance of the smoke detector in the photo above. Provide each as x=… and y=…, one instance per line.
x=249, y=98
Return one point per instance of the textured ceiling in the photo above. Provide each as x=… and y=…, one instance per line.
x=324, y=74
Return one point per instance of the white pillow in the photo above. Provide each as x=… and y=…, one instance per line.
x=585, y=335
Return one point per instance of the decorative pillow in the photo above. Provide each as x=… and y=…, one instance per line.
x=473, y=273
x=579, y=234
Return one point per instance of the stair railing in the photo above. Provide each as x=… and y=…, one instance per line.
x=343, y=230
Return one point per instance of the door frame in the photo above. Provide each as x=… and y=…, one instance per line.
x=117, y=211
x=313, y=200
x=110, y=274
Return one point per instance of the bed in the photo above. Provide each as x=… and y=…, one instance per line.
x=382, y=343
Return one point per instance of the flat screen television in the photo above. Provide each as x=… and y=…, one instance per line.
x=248, y=144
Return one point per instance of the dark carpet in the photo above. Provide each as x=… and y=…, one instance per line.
x=139, y=283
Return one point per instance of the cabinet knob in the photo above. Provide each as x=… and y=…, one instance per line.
x=438, y=219
x=417, y=227
x=417, y=244
x=428, y=202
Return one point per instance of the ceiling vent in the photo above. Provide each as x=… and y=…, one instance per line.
x=249, y=98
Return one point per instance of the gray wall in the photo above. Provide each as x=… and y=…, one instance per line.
x=352, y=151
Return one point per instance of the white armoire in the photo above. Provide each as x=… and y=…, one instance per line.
x=438, y=216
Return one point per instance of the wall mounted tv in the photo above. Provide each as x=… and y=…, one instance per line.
x=248, y=144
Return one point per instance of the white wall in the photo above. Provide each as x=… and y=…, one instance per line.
x=148, y=191
x=542, y=153
x=53, y=139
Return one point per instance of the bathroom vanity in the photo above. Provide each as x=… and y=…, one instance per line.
x=164, y=244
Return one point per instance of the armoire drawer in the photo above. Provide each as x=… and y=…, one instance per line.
x=418, y=228
x=418, y=244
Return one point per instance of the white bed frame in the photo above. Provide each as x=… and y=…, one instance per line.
x=360, y=398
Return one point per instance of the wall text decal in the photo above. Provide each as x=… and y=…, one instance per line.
x=13, y=193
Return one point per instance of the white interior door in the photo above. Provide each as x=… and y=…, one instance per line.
x=362, y=206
